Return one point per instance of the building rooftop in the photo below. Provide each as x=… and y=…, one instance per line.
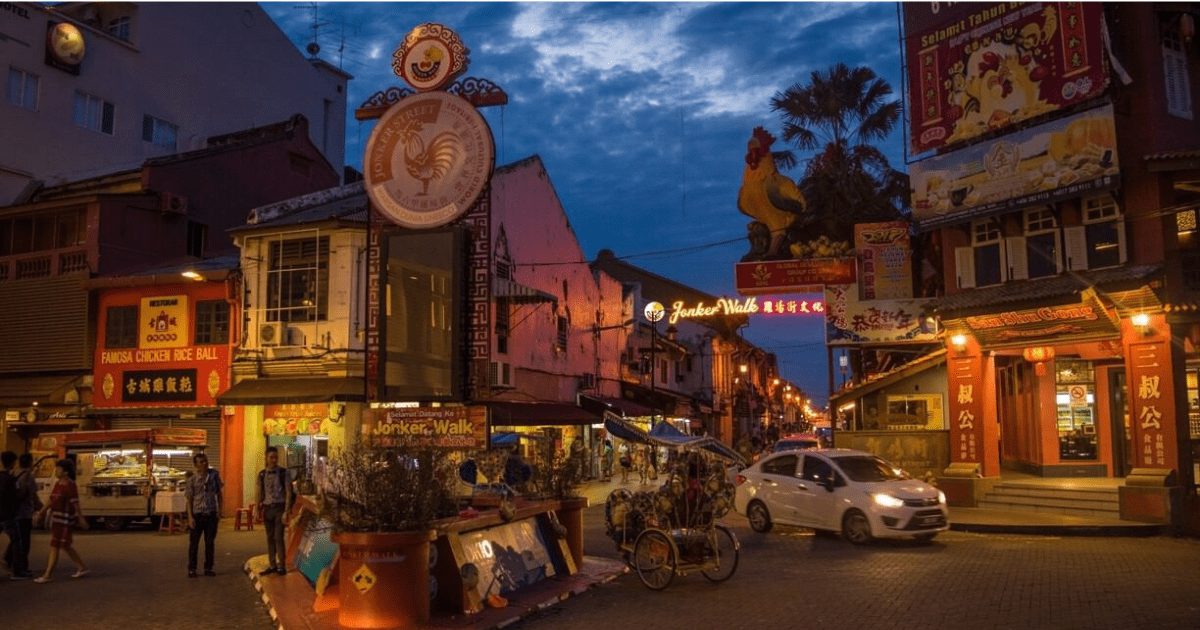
x=1041, y=289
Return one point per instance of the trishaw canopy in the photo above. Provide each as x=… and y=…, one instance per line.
x=663, y=434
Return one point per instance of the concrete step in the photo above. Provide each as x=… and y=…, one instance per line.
x=1112, y=506
x=1055, y=494
x=1050, y=509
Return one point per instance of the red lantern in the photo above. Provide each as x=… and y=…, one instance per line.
x=1038, y=355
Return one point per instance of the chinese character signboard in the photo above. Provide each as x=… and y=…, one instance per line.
x=159, y=363
x=792, y=276
x=884, y=260
x=850, y=321
x=455, y=428
x=966, y=409
x=1083, y=320
x=1057, y=160
x=729, y=307
x=1152, y=412
x=976, y=68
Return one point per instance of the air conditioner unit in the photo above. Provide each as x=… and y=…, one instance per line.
x=587, y=381
x=293, y=337
x=176, y=204
x=500, y=374
x=271, y=333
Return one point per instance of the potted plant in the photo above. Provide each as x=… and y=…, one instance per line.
x=382, y=502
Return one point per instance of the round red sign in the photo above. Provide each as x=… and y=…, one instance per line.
x=428, y=160
x=430, y=56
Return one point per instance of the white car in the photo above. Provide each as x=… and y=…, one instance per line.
x=841, y=490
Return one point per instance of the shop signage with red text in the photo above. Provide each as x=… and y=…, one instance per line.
x=792, y=276
x=725, y=307
x=1152, y=397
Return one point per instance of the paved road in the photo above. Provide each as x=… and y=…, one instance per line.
x=139, y=580
x=794, y=579
x=787, y=579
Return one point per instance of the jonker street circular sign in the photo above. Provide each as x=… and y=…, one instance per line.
x=428, y=160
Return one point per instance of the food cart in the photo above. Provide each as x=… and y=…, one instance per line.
x=123, y=475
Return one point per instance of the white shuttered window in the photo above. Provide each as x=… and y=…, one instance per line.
x=1175, y=72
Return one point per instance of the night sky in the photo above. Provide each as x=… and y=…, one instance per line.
x=640, y=112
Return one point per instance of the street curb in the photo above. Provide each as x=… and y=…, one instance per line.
x=1126, y=531
x=256, y=582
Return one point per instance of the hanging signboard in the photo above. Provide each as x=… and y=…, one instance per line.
x=792, y=276
x=1058, y=160
x=1087, y=319
x=457, y=428
x=975, y=68
x=755, y=305
x=884, y=260
x=1152, y=390
x=297, y=419
x=850, y=321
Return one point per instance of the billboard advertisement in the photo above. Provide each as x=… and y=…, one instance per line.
x=806, y=275
x=884, y=260
x=1061, y=159
x=975, y=68
x=850, y=321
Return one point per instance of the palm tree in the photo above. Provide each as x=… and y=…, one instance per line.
x=838, y=114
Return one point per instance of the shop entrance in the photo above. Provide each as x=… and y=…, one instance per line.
x=1075, y=398
x=1119, y=418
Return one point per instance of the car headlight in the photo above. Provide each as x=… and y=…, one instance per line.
x=941, y=497
x=887, y=500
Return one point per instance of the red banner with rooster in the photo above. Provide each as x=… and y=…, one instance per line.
x=977, y=68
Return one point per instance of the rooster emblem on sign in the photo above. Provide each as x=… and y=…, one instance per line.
x=432, y=161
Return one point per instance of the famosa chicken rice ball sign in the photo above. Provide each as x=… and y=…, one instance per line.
x=431, y=154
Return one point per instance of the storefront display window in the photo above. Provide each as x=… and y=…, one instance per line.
x=1075, y=390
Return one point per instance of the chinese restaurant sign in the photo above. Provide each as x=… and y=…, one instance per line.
x=296, y=419
x=975, y=68
x=163, y=367
x=1152, y=394
x=1086, y=319
x=849, y=320
x=765, y=305
x=1053, y=161
x=458, y=428
x=884, y=259
x=792, y=276
x=966, y=409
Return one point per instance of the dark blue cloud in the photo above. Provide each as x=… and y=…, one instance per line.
x=640, y=111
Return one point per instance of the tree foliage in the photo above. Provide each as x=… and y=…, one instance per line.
x=839, y=114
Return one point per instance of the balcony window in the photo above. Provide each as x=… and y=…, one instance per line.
x=120, y=327
x=298, y=280
x=1178, y=88
x=1105, y=232
x=1041, y=243
x=159, y=132
x=212, y=322
x=987, y=254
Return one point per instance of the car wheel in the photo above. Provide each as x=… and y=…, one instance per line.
x=114, y=523
x=856, y=528
x=760, y=519
x=925, y=538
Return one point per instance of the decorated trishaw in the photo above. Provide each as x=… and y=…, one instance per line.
x=673, y=530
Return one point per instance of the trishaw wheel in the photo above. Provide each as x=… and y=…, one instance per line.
x=654, y=559
x=724, y=561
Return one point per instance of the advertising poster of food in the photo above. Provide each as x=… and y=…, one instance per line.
x=297, y=419
x=1047, y=163
x=850, y=321
x=884, y=260
x=975, y=68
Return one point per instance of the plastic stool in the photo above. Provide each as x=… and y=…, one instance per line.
x=172, y=523
x=246, y=513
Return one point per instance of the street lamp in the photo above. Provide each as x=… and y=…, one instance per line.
x=654, y=312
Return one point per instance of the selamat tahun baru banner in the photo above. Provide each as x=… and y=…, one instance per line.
x=975, y=68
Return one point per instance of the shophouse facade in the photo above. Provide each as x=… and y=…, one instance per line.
x=551, y=328
x=171, y=210
x=96, y=87
x=1065, y=202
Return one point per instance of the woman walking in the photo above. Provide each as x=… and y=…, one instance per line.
x=64, y=513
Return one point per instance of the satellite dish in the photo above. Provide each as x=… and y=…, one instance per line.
x=313, y=48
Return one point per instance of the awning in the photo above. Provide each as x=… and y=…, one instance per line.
x=23, y=391
x=627, y=408
x=663, y=434
x=660, y=401
x=519, y=293
x=268, y=391
x=506, y=413
x=912, y=368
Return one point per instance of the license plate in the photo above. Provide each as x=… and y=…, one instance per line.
x=931, y=520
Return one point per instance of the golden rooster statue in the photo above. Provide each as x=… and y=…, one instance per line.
x=427, y=163
x=766, y=195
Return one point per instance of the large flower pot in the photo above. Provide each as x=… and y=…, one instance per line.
x=570, y=514
x=383, y=579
